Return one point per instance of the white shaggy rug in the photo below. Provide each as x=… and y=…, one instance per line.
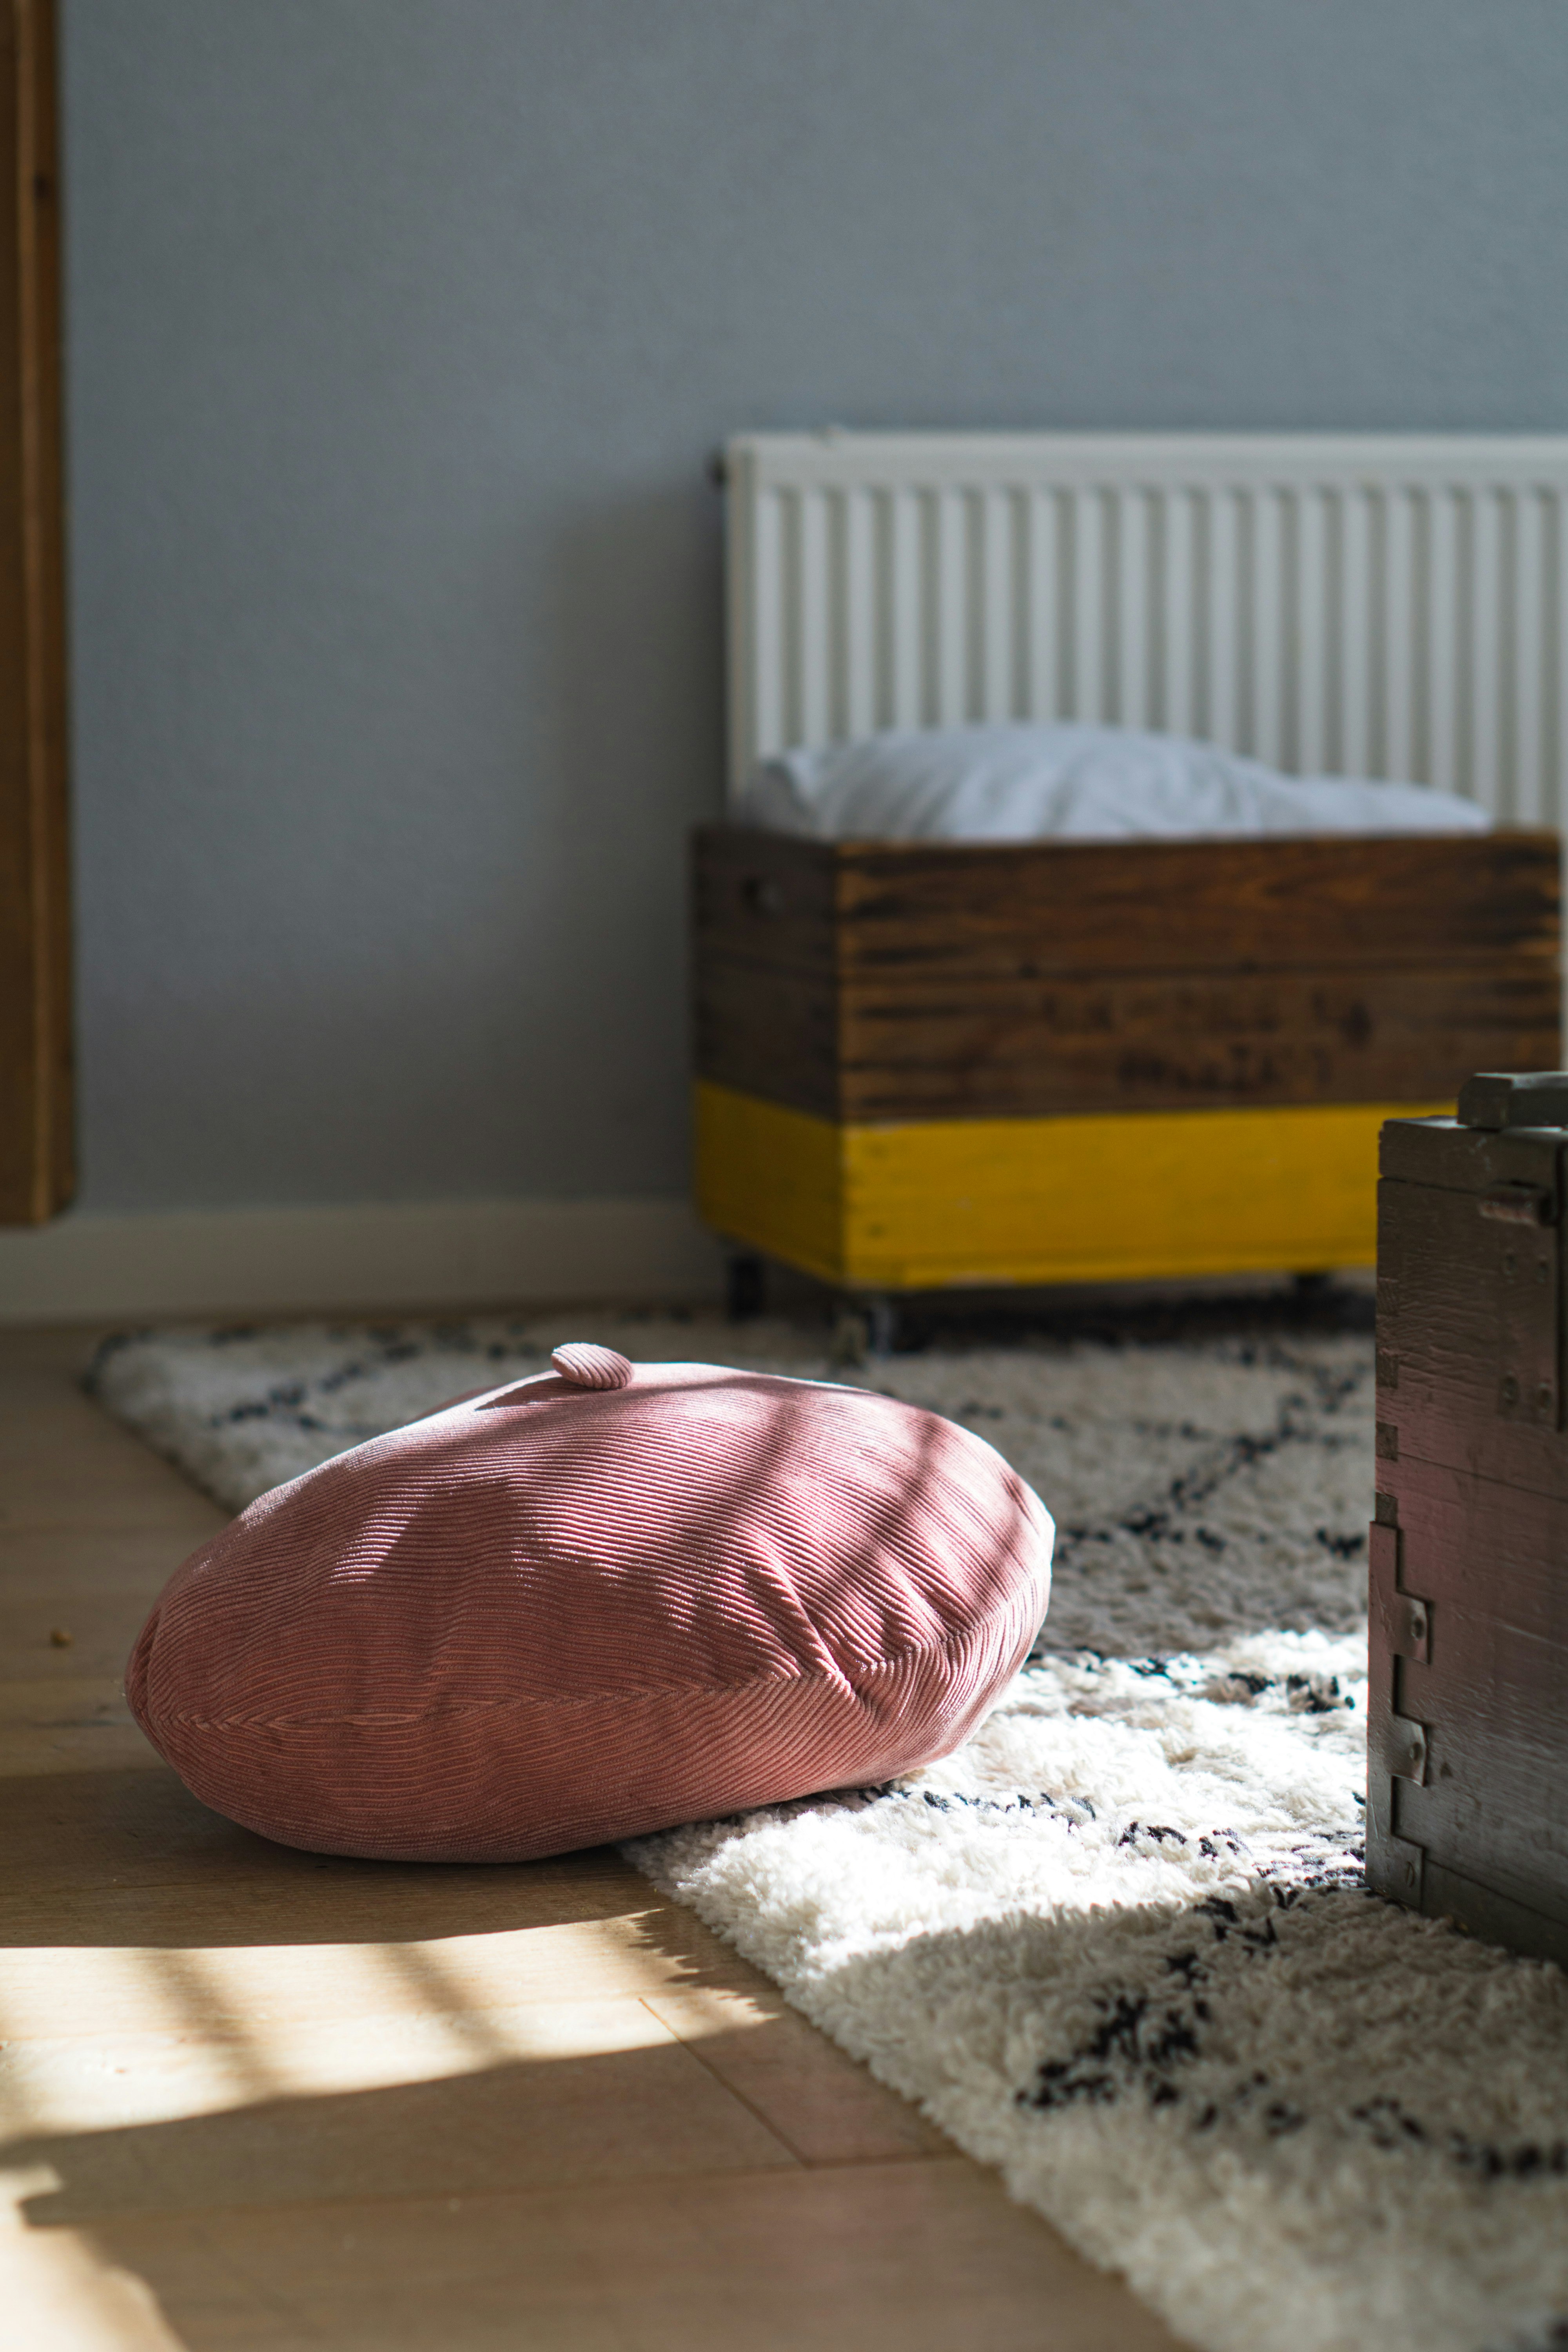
x=1117, y=1945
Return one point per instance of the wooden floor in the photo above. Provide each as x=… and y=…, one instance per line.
x=257, y=2098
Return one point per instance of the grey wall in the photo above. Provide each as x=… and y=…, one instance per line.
x=400, y=331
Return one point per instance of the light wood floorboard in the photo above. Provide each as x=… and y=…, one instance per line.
x=254, y=2098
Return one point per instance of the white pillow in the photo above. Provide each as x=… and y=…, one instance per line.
x=1070, y=783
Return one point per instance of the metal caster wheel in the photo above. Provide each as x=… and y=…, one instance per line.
x=866, y=1328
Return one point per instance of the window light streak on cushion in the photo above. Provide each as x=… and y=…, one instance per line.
x=554, y=1614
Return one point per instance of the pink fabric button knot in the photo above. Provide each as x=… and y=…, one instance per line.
x=588, y=1367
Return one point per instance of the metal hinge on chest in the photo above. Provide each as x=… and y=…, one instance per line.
x=1404, y=1748
x=1404, y=1619
x=1402, y=1629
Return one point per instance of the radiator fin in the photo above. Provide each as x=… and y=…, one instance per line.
x=1386, y=606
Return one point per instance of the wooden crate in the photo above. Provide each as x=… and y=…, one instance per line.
x=1467, y=1770
x=931, y=1063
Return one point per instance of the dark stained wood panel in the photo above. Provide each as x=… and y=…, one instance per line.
x=882, y=1050
x=1199, y=906
x=765, y=897
x=769, y=1033
x=1037, y=911
x=35, y=1124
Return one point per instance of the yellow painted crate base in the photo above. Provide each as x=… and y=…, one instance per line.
x=1134, y=1195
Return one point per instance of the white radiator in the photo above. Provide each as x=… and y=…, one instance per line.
x=1382, y=605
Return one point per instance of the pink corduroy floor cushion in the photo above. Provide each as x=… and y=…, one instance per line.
x=591, y=1604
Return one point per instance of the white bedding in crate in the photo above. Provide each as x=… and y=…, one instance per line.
x=1073, y=782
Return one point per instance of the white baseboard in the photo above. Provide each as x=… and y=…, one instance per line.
x=87, y=1267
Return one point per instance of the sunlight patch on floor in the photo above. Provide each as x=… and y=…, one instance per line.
x=61, y=2294
x=210, y=2045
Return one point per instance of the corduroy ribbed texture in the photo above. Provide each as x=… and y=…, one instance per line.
x=551, y=1615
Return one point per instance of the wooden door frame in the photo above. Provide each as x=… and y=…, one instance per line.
x=36, y=1138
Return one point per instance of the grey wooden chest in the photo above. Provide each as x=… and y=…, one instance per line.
x=1468, y=1777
